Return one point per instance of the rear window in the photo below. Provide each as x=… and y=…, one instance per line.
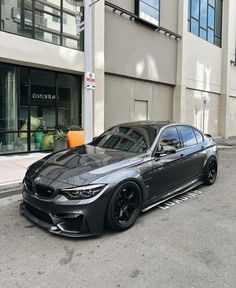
x=198, y=136
x=188, y=135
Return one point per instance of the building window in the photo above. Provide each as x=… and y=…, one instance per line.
x=205, y=19
x=56, y=16
x=33, y=103
x=55, y=39
x=41, y=20
x=149, y=11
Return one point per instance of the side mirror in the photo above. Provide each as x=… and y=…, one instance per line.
x=95, y=138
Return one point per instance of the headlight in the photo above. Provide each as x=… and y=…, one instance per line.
x=83, y=192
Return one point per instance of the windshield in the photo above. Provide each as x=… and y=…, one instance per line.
x=135, y=139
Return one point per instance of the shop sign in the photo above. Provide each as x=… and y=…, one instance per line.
x=43, y=95
x=90, y=81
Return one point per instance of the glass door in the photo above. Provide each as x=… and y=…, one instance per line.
x=43, y=103
x=13, y=132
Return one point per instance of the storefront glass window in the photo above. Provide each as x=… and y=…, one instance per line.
x=33, y=103
x=43, y=97
x=69, y=102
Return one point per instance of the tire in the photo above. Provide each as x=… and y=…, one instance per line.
x=124, y=206
x=210, y=171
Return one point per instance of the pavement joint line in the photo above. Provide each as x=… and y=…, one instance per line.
x=8, y=187
x=11, y=183
x=10, y=193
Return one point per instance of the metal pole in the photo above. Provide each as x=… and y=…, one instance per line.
x=88, y=67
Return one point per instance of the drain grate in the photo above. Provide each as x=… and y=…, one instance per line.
x=179, y=199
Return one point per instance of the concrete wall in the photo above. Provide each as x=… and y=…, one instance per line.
x=232, y=47
x=203, y=64
x=205, y=117
x=20, y=50
x=203, y=80
x=232, y=116
x=136, y=50
x=121, y=94
x=168, y=17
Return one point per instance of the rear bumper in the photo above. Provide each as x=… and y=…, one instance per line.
x=65, y=217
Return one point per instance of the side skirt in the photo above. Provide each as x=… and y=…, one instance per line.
x=175, y=193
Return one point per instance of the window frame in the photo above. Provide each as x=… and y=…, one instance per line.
x=198, y=131
x=182, y=138
x=29, y=105
x=159, y=138
x=218, y=7
x=143, y=20
x=34, y=27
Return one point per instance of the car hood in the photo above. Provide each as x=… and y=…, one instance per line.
x=80, y=166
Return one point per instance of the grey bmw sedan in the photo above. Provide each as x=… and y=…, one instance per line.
x=129, y=169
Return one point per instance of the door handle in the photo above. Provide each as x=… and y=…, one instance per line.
x=182, y=155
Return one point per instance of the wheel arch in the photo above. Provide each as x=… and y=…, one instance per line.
x=123, y=181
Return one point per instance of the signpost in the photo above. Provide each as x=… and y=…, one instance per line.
x=90, y=81
x=205, y=107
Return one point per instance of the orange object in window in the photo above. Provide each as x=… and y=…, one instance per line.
x=75, y=138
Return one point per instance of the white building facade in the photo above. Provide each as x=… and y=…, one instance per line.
x=153, y=60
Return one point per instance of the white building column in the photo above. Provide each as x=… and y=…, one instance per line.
x=179, y=101
x=227, y=31
x=99, y=68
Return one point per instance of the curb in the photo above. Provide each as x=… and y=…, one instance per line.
x=10, y=186
x=225, y=147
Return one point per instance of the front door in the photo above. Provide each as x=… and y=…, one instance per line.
x=167, y=170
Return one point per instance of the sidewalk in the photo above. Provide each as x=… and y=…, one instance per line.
x=13, y=168
x=226, y=143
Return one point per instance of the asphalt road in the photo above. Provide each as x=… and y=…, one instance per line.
x=190, y=245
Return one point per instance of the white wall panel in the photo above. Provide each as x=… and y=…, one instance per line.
x=121, y=95
x=204, y=117
x=24, y=51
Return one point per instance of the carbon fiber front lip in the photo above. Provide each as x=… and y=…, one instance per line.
x=54, y=229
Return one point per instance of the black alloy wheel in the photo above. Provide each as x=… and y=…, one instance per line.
x=124, y=206
x=210, y=172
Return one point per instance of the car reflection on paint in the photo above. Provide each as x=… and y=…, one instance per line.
x=129, y=169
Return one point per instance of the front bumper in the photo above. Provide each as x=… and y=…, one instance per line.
x=65, y=217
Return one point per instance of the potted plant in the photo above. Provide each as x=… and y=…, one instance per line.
x=60, y=141
x=38, y=138
x=75, y=136
x=48, y=140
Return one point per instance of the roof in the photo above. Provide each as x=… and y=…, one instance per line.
x=149, y=123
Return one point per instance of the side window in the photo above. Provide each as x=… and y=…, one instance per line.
x=188, y=136
x=170, y=137
x=198, y=136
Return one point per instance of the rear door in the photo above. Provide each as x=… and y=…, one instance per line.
x=193, y=151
